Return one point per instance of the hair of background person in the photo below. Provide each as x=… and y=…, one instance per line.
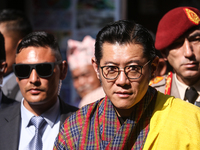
x=40, y=39
x=2, y=48
x=16, y=21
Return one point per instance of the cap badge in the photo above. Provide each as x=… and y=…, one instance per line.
x=192, y=16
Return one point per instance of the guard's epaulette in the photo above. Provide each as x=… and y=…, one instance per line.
x=156, y=80
x=168, y=83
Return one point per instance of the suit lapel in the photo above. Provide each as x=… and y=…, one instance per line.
x=65, y=111
x=5, y=101
x=10, y=123
x=10, y=127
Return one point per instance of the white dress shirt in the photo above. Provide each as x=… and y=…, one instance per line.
x=182, y=88
x=52, y=117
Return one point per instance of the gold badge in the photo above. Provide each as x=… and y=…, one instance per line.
x=156, y=80
x=192, y=16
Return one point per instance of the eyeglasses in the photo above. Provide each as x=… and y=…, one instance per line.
x=44, y=70
x=132, y=71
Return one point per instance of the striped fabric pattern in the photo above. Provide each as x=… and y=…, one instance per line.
x=96, y=126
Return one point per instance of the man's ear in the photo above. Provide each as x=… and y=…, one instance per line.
x=162, y=67
x=19, y=42
x=4, y=67
x=63, y=69
x=95, y=66
x=154, y=66
x=164, y=54
x=3, y=70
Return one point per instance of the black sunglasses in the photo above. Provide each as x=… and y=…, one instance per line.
x=44, y=70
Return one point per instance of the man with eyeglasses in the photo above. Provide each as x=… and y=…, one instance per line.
x=39, y=70
x=132, y=115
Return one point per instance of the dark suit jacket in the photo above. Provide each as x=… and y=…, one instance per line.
x=10, y=119
x=5, y=101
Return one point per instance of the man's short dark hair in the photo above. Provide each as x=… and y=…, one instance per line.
x=16, y=21
x=2, y=48
x=124, y=32
x=40, y=39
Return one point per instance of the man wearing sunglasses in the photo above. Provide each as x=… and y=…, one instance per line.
x=132, y=115
x=39, y=70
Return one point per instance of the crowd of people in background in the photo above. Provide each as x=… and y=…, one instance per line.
x=136, y=91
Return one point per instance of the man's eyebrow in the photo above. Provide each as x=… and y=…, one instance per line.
x=110, y=62
x=133, y=61
x=194, y=35
x=129, y=62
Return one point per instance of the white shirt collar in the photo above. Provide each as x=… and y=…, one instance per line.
x=50, y=115
x=182, y=87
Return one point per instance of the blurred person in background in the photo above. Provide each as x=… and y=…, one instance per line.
x=14, y=25
x=85, y=81
x=162, y=64
x=4, y=100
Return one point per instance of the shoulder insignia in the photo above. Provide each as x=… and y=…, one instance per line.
x=192, y=16
x=156, y=80
x=168, y=83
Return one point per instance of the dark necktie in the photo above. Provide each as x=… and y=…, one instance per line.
x=40, y=125
x=191, y=94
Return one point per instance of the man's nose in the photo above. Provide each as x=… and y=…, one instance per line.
x=188, y=49
x=33, y=76
x=81, y=80
x=122, y=79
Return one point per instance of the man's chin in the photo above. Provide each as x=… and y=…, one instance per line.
x=84, y=93
x=191, y=74
x=36, y=102
x=190, y=77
